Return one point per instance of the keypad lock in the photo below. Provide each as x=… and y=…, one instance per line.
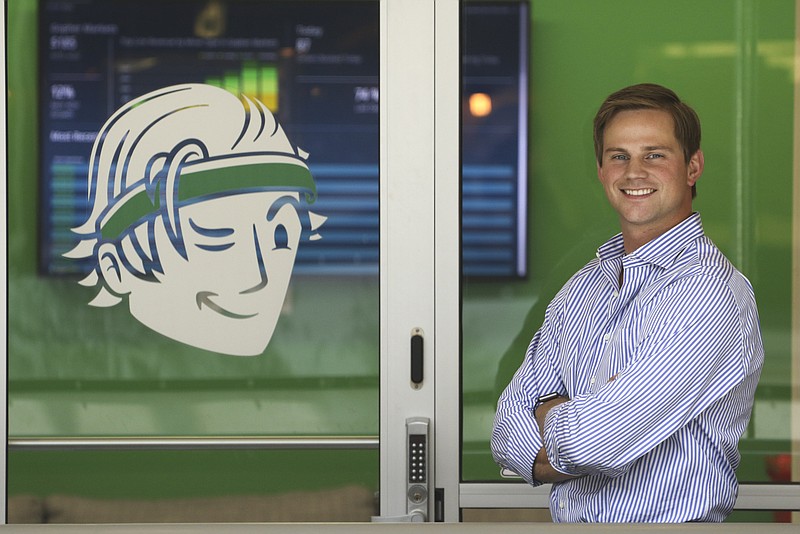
x=417, y=461
x=417, y=468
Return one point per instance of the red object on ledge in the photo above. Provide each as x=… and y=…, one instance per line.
x=779, y=469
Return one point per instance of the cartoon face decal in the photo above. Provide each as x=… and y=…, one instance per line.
x=199, y=207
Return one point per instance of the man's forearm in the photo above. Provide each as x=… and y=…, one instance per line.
x=543, y=471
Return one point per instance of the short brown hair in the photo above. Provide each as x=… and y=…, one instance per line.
x=650, y=96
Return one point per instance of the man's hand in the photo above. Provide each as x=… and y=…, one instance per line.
x=542, y=470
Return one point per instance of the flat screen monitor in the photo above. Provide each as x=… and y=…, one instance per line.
x=315, y=65
x=494, y=139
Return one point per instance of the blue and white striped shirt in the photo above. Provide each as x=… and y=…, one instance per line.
x=681, y=340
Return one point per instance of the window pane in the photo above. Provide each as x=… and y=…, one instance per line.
x=226, y=233
x=580, y=53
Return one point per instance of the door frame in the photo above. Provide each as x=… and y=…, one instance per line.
x=4, y=274
x=419, y=161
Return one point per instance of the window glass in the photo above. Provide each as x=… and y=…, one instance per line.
x=724, y=60
x=193, y=253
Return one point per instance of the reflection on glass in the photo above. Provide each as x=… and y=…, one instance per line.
x=82, y=372
x=494, y=140
x=580, y=54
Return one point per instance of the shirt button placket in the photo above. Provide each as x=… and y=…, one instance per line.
x=613, y=304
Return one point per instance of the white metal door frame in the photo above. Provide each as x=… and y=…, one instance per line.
x=447, y=256
x=419, y=246
x=406, y=219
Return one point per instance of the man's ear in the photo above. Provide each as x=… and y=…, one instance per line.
x=111, y=269
x=696, y=166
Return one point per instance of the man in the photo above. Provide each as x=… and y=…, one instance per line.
x=635, y=391
x=197, y=211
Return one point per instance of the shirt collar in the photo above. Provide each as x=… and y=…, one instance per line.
x=660, y=251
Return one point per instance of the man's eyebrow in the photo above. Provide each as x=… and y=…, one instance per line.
x=646, y=148
x=210, y=232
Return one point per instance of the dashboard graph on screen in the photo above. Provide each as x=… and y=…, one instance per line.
x=315, y=65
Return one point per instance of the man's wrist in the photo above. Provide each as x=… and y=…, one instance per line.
x=540, y=411
x=544, y=399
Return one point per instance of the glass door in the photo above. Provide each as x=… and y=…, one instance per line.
x=549, y=212
x=194, y=237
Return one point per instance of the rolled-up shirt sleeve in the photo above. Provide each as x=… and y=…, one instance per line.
x=515, y=435
x=516, y=439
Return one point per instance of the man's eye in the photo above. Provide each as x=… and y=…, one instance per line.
x=655, y=156
x=619, y=156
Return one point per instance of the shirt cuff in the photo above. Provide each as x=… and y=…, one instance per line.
x=555, y=426
x=518, y=446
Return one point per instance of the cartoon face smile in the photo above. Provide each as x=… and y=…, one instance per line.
x=197, y=213
x=229, y=288
x=260, y=245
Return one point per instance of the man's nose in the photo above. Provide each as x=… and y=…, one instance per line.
x=635, y=168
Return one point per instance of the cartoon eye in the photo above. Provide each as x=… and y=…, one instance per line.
x=214, y=248
x=214, y=234
x=281, y=238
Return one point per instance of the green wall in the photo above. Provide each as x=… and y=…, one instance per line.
x=732, y=60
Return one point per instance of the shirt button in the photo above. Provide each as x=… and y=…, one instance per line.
x=591, y=380
x=561, y=504
x=614, y=294
x=606, y=337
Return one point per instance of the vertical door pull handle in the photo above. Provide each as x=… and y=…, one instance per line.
x=417, y=356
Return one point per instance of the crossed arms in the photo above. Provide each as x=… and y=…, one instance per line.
x=677, y=371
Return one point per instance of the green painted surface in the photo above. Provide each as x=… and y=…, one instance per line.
x=167, y=474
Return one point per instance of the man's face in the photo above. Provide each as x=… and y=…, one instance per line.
x=227, y=294
x=645, y=175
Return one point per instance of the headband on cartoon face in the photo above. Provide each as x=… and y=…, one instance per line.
x=208, y=182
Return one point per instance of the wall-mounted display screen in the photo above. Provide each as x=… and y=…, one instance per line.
x=494, y=139
x=316, y=67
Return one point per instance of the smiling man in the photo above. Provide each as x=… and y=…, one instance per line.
x=635, y=391
x=197, y=210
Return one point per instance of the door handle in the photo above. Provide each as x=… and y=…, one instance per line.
x=417, y=357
